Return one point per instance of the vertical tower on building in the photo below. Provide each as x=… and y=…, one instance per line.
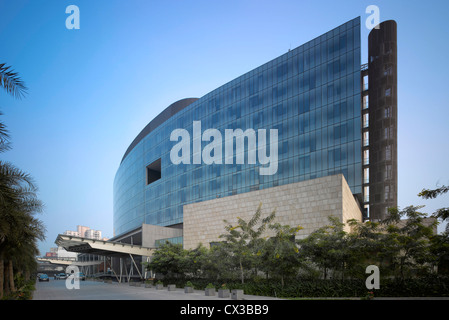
x=380, y=135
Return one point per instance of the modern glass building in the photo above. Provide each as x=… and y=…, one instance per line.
x=312, y=95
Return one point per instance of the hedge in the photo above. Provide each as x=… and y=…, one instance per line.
x=431, y=286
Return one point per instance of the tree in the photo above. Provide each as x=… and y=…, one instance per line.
x=167, y=260
x=216, y=263
x=327, y=248
x=433, y=193
x=442, y=213
x=365, y=247
x=19, y=229
x=281, y=254
x=243, y=239
x=406, y=242
x=439, y=242
x=191, y=261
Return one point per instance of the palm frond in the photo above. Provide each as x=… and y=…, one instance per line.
x=11, y=82
x=5, y=144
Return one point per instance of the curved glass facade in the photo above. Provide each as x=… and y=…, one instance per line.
x=311, y=95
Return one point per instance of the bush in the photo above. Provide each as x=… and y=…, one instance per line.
x=25, y=292
x=328, y=263
x=432, y=286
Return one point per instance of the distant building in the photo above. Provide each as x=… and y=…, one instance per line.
x=72, y=233
x=51, y=254
x=85, y=232
x=60, y=253
x=81, y=231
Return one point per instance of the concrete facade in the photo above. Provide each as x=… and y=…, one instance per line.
x=308, y=204
x=152, y=233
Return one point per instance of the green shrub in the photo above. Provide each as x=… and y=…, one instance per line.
x=429, y=286
x=25, y=292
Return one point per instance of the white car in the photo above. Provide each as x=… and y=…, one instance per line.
x=61, y=276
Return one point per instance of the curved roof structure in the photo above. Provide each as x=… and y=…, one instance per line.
x=160, y=118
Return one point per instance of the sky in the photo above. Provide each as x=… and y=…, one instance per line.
x=92, y=90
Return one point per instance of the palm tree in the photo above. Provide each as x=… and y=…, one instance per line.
x=13, y=85
x=19, y=229
x=20, y=249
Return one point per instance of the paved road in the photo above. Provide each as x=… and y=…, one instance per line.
x=92, y=290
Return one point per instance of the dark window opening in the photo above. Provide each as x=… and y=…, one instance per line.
x=154, y=171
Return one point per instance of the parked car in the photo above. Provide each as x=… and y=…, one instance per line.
x=44, y=277
x=61, y=276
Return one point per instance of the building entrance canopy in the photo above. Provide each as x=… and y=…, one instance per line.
x=101, y=247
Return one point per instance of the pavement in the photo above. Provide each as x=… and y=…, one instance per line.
x=94, y=290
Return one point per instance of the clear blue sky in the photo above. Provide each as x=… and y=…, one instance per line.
x=92, y=90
